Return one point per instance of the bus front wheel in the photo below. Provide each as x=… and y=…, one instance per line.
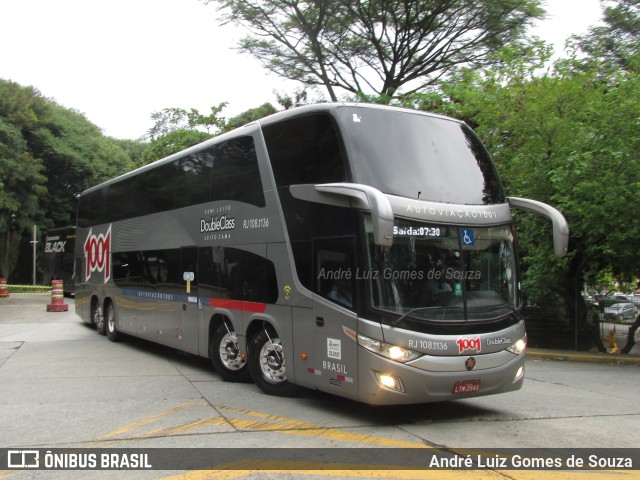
x=225, y=355
x=267, y=365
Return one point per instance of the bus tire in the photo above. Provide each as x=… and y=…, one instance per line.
x=225, y=355
x=267, y=365
x=98, y=321
x=111, y=323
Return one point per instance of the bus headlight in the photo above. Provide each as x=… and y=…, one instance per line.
x=389, y=381
x=393, y=352
x=519, y=346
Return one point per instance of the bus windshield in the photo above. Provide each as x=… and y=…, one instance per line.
x=444, y=159
x=444, y=273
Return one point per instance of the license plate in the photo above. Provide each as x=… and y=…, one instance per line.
x=472, y=386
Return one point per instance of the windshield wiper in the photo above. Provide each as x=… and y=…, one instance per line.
x=412, y=313
x=395, y=322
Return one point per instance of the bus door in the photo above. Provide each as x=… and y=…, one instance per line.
x=173, y=273
x=334, y=281
x=191, y=309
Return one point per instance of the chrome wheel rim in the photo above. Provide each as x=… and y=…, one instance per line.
x=230, y=353
x=111, y=320
x=272, y=362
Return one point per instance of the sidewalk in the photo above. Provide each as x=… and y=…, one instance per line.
x=35, y=307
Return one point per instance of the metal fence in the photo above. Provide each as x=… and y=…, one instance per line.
x=546, y=328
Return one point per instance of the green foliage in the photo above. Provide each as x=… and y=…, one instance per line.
x=614, y=44
x=21, y=174
x=48, y=155
x=249, y=116
x=173, y=142
x=176, y=129
x=134, y=149
x=286, y=101
x=171, y=120
x=566, y=136
x=76, y=156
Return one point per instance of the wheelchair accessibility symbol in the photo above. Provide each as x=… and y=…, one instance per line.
x=468, y=238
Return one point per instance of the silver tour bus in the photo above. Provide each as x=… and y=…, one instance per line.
x=362, y=250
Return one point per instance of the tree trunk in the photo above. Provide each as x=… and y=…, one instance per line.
x=630, y=337
x=597, y=337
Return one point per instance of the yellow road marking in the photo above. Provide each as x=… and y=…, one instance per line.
x=393, y=474
x=145, y=421
x=274, y=423
x=267, y=416
x=344, y=436
x=182, y=428
x=266, y=422
x=312, y=430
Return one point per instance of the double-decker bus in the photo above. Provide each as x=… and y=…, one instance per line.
x=365, y=251
x=58, y=257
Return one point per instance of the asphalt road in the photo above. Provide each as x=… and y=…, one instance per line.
x=64, y=386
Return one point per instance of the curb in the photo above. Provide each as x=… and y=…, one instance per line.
x=584, y=357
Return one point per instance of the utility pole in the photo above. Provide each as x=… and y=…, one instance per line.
x=34, y=242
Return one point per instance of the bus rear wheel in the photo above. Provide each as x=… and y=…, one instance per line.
x=225, y=355
x=98, y=320
x=267, y=364
x=111, y=324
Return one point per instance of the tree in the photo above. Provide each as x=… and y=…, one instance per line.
x=376, y=47
x=48, y=155
x=134, y=149
x=567, y=137
x=170, y=120
x=76, y=156
x=177, y=128
x=21, y=174
x=616, y=43
x=173, y=142
x=286, y=101
x=249, y=116
x=21, y=186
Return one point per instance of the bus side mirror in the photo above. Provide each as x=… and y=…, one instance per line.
x=353, y=195
x=560, y=226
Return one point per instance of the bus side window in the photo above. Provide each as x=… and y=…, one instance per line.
x=127, y=269
x=335, y=274
x=238, y=275
x=235, y=172
x=305, y=150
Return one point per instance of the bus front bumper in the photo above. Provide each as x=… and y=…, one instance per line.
x=435, y=379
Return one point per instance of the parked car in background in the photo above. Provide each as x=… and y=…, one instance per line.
x=609, y=299
x=627, y=298
x=621, y=312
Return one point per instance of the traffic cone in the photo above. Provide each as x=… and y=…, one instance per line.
x=4, y=292
x=57, y=298
x=613, y=345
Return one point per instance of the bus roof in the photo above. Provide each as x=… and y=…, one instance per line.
x=273, y=118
